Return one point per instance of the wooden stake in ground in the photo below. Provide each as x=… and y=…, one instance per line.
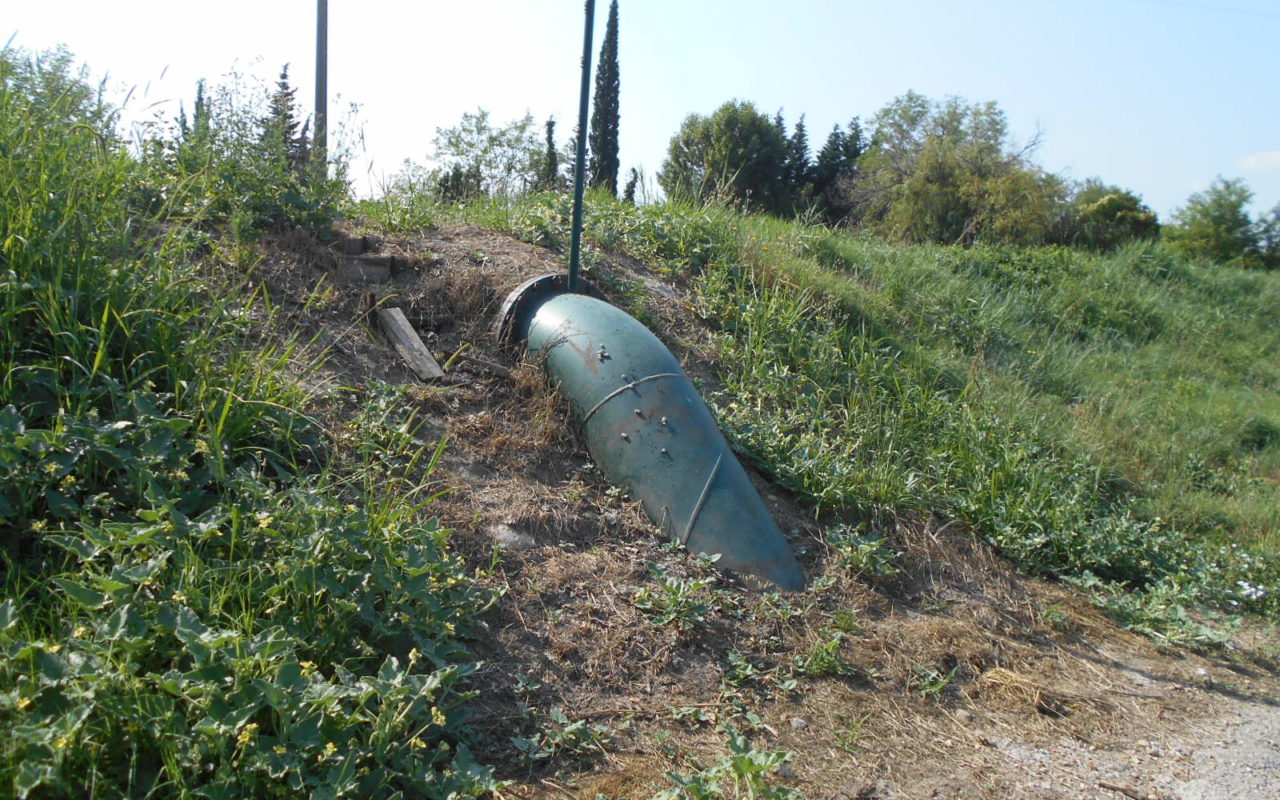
x=407, y=343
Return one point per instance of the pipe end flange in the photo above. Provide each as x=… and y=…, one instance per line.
x=512, y=323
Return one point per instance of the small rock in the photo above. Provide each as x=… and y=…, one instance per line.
x=786, y=771
x=509, y=538
x=964, y=717
x=799, y=723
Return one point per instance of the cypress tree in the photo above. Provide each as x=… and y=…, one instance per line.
x=602, y=138
x=549, y=177
x=630, y=194
x=797, y=169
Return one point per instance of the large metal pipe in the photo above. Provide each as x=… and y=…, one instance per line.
x=647, y=428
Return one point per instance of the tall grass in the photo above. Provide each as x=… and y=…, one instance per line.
x=195, y=598
x=1106, y=419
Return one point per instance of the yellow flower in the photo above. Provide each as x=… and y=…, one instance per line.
x=279, y=750
x=24, y=703
x=437, y=716
x=308, y=667
x=417, y=744
x=246, y=735
x=202, y=446
x=54, y=648
x=414, y=655
x=38, y=525
x=329, y=749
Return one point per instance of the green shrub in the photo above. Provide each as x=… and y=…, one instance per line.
x=194, y=601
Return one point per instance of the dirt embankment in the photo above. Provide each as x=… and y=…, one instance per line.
x=952, y=678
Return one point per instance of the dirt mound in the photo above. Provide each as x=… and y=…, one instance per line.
x=613, y=659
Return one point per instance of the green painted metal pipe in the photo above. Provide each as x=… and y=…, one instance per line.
x=647, y=427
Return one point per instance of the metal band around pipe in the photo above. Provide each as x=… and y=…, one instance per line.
x=620, y=390
x=702, y=499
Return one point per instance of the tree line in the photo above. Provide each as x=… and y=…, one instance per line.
x=946, y=171
x=919, y=170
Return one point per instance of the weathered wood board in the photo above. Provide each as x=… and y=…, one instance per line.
x=408, y=344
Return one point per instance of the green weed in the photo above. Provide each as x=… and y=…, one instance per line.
x=683, y=602
x=929, y=682
x=744, y=773
x=823, y=659
x=559, y=737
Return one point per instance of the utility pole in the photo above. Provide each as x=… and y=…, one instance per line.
x=322, y=82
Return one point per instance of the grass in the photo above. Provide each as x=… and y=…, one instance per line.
x=1107, y=419
x=199, y=595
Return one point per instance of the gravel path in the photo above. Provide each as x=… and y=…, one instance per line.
x=1240, y=760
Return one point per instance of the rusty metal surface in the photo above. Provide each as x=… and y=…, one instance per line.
x=648, y=429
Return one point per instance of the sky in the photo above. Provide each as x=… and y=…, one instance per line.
x=1157, y=96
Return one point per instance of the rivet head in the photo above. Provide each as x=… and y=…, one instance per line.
x=663, y=451
x=625, y=436
x=639, y=413
x=664, y=420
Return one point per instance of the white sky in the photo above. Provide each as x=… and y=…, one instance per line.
x=1158, y=96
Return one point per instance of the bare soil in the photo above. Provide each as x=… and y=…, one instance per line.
x=955, y=678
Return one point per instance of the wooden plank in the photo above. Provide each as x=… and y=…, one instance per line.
x=407, y=343
x=367, y=269
x=352, y=245
x=362, y=273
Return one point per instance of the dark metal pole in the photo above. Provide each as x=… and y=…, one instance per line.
x=322, y=81
x=579, y=182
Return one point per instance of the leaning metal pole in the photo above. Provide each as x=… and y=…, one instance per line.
x=580, y=163
x=322, y=80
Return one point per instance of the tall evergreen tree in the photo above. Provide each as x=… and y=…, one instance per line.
x=797, y=168
x=549, y=176
x=629, y=194
x=602, y=138
x=282, y=123
x=833, y=173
